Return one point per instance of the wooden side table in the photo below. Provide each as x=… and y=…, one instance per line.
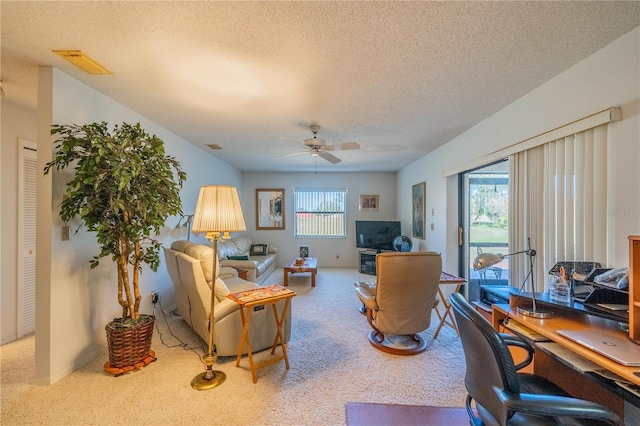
x=242, y=273
x=446, y=278
x=268, y=295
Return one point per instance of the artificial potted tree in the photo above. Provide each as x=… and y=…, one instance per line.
x=124, y=188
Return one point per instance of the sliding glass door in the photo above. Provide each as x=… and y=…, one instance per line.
x=484, y=224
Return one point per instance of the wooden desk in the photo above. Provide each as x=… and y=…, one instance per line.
x=268, y=295
x=580, y=384
x=310, y=265
x=446, y=278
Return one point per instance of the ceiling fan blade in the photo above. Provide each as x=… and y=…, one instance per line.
x=341, y=146
x=330, y=158
x=295, y=153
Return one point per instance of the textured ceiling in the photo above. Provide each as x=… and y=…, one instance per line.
x=399, y=78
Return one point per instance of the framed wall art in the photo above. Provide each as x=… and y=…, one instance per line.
x=270, y=208
x=369, y=203
x=418, y=197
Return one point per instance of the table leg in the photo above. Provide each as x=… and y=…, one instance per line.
x=243, y=336
x=447, y=312
x=279, y=331
x=313, y=278
x=244, y=340
x=286, y=277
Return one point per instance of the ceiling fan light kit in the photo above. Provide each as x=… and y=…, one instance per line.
x=318, y=147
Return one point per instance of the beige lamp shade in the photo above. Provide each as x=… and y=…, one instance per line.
x=218, y=210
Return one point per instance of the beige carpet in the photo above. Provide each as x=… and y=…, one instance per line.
x=331, y=360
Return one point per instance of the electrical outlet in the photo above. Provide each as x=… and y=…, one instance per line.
x=154, y=297
x=337, y=255
x=65, y=233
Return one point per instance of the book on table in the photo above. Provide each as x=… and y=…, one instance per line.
x=260, y=293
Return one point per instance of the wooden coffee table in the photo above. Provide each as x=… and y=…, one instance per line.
x=310, y=265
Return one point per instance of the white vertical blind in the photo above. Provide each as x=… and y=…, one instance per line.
x=558, y=196
x=319, y=213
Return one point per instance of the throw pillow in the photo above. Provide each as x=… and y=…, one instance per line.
x=245, y=257
x=258, y=249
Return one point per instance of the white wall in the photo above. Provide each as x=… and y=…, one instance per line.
x=325, y=250
x=610, y=77
x=74, y=301
x=17, y=122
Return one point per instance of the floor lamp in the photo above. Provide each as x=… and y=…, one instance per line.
x=486, y=260
x=218, y=212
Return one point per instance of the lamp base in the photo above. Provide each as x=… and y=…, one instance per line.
x=534, y=312
x=201, y=382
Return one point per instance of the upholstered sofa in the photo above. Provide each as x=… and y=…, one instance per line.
x=190, y=267
x=259, y=260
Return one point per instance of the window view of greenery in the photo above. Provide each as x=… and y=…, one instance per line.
x=489, y=218
x=319, y=213
x=489, y=209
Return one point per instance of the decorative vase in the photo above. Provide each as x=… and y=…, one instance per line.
x=129, y=345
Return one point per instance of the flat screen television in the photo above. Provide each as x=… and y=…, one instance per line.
x=377, y=234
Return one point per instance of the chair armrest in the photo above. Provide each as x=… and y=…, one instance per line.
x=552, y=405
x=227, y=272
x=513, y=340
x=367, y=298
x=239, y=264
x=224, y=308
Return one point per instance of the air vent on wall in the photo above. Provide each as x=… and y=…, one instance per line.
x=82, y=61
x=214, y=146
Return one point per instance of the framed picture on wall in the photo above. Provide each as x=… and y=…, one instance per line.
x=418, y=197
x=369, y=203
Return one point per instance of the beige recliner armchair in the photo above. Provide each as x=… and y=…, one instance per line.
x=399, y=304
x=190, y=267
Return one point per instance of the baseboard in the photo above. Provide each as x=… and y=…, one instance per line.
x=9, y=339
x=83, y=359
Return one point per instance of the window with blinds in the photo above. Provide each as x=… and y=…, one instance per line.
x=559, y=194
x=320, y=213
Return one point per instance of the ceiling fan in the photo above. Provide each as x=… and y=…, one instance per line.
x=319, y=148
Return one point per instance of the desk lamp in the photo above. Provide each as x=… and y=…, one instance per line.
x=485, y=260
x=218, y=212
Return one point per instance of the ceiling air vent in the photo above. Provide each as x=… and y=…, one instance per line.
x=82, y=61
x=214, y=146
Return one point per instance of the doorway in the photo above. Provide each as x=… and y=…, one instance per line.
x=484, y=224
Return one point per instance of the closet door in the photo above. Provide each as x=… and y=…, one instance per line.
x=26, y=309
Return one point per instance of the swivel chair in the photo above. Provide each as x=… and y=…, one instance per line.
x=502, y=395
x=399, y=305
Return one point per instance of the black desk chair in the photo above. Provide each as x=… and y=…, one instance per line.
x=502, y=395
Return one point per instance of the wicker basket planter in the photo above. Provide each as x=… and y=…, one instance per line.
x=129, y=345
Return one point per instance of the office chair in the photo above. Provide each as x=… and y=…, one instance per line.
x=399, y=305
x=502, y=395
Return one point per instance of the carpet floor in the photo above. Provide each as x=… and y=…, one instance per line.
x=331, y=361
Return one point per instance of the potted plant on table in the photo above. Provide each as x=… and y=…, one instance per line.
x=124, y=188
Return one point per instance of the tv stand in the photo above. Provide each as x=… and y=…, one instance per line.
x=367, y=261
